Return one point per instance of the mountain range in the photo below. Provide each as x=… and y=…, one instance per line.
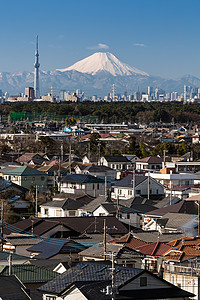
x=94, y=75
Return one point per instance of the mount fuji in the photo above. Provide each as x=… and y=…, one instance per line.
x=94, y=75
x=106, y=62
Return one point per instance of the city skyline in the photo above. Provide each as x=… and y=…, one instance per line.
x=159, y=38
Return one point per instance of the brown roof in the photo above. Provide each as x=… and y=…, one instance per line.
x=129, y=241
x=154, y=249
x=151, y=160
x=76, y=225
x=193, y=198
x=26, y=157
x=183, y=248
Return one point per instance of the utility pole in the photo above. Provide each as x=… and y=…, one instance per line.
x=104, y=239
x=113, y=277
x=117, y=213
x=2, y=224
x=36, y=201
x=10, y=263
x=61, y=151
x=133, y=181
x=70, y=158
x=148, y=187
x=105, y=188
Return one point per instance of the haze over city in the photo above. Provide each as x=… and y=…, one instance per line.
x=158, y=37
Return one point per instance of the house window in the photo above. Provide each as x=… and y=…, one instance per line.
x=25, y=178
x=93, y=186
x=46, y=211
x=143, y=281
x=50, y=298
x=42, y=178
x=128, y=216
x=157, y=191
x=97, y=186
x=119, y=192
x=138, y=192
x=130, y=193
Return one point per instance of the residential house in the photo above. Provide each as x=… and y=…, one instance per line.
x=184, y=276
x=60, y=208
x=69, y=227
x=149, y=163
x=27, y=177
x=123, y=255
x=97, y=171
x=82, y=183
x=31, y=158
x=153, y=252
x=116, y=162
x=130, y=283
x=123, y=189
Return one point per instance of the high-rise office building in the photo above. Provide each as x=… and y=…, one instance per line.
x=36, y=75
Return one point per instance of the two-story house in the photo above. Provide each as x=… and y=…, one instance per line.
x=82, y=184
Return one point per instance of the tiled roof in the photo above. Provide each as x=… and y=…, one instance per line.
x=154, y=249
x=28, y=156
x=89, y=271
x=129, y=241
x=75, y=224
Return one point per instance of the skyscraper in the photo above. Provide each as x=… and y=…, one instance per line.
x=36, y=75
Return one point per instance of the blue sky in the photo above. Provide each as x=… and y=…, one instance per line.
x=158, y=37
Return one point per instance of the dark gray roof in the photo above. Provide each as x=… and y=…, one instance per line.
x=90, y=207
x=50, y=247
x=96, y=168
x=121, y=251
x=177, y=220
x=89, y=271
x=116, y=158
x=128, y=181
x=4, y=257
x=11, y=288
x=22, y=239
x=100, y=272
x=154, y=236
x=67, y=204
x=110, y=207
x=45, y=263
x=81, y=178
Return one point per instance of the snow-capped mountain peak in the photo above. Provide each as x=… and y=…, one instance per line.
x=106, y=62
